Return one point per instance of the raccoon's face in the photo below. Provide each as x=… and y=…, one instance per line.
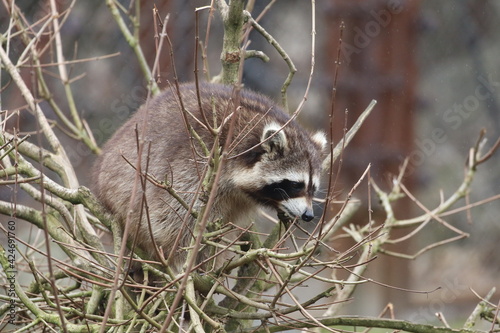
x=284, y=171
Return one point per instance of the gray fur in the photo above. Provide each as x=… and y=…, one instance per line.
x=173, y=154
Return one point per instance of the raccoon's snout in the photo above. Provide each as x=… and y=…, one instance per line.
x=308, y=215
x=298, y=208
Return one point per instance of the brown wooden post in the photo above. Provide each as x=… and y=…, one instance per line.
x=378, y=62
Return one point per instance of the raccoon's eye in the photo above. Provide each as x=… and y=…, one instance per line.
x=293, y=188
x=283, y=190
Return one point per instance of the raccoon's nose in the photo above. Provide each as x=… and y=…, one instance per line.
x=308, y=215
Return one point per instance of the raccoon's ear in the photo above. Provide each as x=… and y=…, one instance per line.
x=319, y=138
x=273, y=139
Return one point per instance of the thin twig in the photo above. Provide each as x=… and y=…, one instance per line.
x=349, y=136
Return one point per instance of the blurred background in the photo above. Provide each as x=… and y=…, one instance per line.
x=433, y=67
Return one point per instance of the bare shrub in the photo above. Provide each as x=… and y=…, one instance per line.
x=67, y=269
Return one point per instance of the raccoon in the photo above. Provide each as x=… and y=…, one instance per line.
x=271, y=162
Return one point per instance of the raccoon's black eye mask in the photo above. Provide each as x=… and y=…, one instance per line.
x=283, y=190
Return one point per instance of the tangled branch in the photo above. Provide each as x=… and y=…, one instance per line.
x=78, y=272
